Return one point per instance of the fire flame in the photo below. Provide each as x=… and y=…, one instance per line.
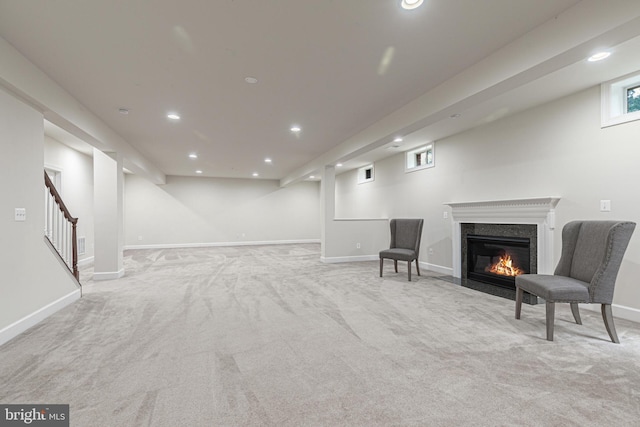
x=505, y=267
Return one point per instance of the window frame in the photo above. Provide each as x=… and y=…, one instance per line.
x=626, y=98
x=614, y=108
x=362, y=174
x=410, y=163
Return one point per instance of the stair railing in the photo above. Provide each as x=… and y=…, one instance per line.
x=60, y=227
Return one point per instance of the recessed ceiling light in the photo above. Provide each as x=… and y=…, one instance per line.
x=599, y=56
x=339, y=165
x=123, y=111
x=198, y=171
x=398, y=139
x=255, y=174
x=312, y=176
x=454, y=116
x=251, y=80
x=173, y=116
x=193, y=156
x=295, y=129
x=411, y=4
x=267, y=160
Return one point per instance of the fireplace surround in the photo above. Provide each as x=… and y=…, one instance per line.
x=505, y=218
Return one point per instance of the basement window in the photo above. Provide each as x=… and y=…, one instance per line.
x=633, y=99
x=420, y=158
x=365, y=174
x=621, y=100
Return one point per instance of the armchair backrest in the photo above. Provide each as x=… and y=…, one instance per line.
x=406, y=234
x=592, y=252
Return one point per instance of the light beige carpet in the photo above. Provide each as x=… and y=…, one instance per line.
x=269, y=335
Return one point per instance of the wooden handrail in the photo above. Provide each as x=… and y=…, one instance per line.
x=73, y=221
x=59, y=202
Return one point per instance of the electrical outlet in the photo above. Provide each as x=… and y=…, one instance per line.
x=605, y=205
x=445, y=215
x=358, y=245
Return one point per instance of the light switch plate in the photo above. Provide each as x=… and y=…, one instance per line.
x=21, y=214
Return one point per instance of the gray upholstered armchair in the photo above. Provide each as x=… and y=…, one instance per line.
x=592, y=252
x=405, y=243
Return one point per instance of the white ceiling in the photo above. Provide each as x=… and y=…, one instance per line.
x=333, y=67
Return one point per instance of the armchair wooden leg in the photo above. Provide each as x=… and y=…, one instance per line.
x=576, y=313
x=409, y=269
x=418, y=267
x=607, y=316
x=380, y=267
x=395, y=264
x=551, y=309
x=519, y=292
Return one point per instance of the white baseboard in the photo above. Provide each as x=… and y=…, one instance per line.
x=356, y=258
x=220, y=244
x=619, y=311
x=423, y=265
x=109, y=275
x=85, y=261
x=18, y=327
x=437, y=268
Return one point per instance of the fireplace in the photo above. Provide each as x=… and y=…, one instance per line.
x=497, y=260
x=532, y=218
x=494, y=254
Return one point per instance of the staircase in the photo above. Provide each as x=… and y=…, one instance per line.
x=60, y=227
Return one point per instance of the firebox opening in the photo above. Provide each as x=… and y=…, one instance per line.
x=520, y=241
x=497, y=260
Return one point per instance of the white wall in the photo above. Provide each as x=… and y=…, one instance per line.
x=32, y=276
x=555, y=149
x=199, y=210
x=76, y=189
x=396, y=194
x=351, y=239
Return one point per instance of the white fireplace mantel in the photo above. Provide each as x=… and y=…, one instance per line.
x=539, y=211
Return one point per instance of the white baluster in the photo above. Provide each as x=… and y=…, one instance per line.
x=45, y=210
x=63, y=245
x=54, y=227
x=63, y=235
x=68, y=241
x=58, y=232
x=50, y=219
x=58, y=228
x=48, y=216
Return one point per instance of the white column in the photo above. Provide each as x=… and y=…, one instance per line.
x=108, y=215
x=327, y=207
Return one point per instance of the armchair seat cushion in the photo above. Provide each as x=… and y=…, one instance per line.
x=554, y=288
x=398, y=254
